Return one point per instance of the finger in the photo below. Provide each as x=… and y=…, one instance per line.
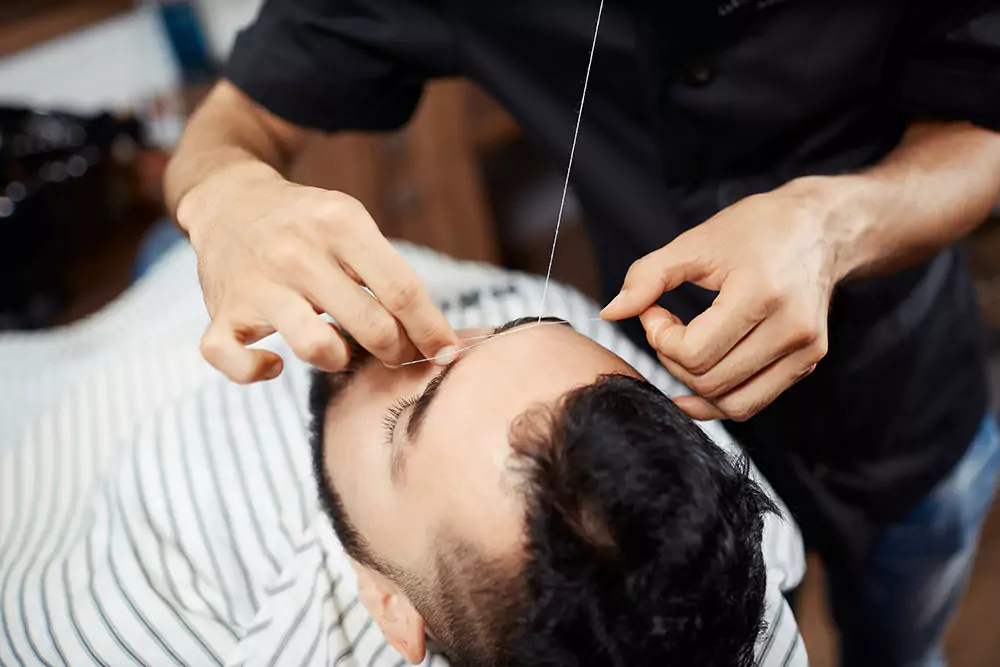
x=403, y=294
x=698, y=408
x=660, y=324
x=760, y=391
x=764, y=345
x=366, y=319
x=709, y=337
x=648, y=278
x=223, y=347
x=311, y=338
x=679, y=373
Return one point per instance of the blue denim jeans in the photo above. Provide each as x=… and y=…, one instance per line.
x=894, y=612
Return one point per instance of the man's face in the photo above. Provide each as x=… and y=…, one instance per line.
x=419, y=450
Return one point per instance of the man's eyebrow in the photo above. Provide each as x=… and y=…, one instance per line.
x=423, y=403
x=520, y=321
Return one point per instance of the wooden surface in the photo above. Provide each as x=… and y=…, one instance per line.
x=29, y=27
x=423, y=183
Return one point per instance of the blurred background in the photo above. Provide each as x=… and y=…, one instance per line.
x=94, y=94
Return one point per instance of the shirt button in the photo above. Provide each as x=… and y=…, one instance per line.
x=698, y=72
x=819, y=471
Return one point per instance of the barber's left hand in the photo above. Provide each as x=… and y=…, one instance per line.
x=772, y=259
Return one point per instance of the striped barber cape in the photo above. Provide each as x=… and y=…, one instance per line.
x=153, y=513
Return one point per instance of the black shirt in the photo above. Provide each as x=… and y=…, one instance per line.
x=689, y=111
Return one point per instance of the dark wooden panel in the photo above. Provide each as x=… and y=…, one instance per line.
x=423, y=183
x=27, y=23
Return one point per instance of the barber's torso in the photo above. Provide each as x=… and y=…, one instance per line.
x=686, y=113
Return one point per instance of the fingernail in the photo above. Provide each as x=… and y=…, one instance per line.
x=272, y=371
x=445, y=355
x=618, y=299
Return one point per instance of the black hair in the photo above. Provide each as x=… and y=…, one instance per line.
x=643, y=543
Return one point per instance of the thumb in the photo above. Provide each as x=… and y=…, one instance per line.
x=660, y=324
x=648, y=278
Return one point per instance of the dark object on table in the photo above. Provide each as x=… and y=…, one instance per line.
x=65, y=190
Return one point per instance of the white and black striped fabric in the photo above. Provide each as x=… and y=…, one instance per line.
x=152, y=513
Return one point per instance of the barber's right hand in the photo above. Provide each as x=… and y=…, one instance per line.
x=272, y=255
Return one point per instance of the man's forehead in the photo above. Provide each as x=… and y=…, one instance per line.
x=485, y=400
x=525, y=369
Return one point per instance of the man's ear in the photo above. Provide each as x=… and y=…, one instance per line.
x=401, y=624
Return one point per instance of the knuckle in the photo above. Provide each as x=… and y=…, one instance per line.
x=355, y=208
x=696, y=362
x=699, y=366
x=286, y=256
x=338, y=355
x=427, y=335
x=403, y=296
x=210, y=348
x=319, y=224
x=803, y=334
x=818, y=349
x=636, y=270
x=706, y=386
x=336, y=208
x=740, y=408
x=330, y=212
x=213, y=351
x=742, y=411
x=769, y=295
x=314, y=347
x=383, y=334
x=635, y=266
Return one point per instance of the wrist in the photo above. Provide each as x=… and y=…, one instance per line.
x=846, y=209
x=207, y=200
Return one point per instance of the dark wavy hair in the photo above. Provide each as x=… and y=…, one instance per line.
x=643, y=543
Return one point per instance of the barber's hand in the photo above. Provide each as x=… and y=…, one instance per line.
x=272, y=255
x=773, y=262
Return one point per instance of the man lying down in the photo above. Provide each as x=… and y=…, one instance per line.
x=534, y=503
x=538, y=502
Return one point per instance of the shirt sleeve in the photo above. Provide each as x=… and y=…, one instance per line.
x=336, y=65
x=947, y=62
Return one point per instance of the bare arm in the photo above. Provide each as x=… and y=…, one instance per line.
x=229, y=133
x=933, y=189
x=273, y=254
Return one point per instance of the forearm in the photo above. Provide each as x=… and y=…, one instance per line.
x=228, y=137
x=933, y=189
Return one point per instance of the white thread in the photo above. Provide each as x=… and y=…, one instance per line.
x=569, y=167
x=555, y=236
x=488, y=338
